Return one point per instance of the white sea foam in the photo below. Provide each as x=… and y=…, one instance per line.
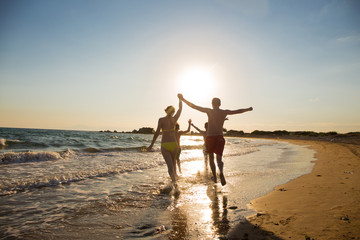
x=12, y=157
x=4, y=142
x=57, y=174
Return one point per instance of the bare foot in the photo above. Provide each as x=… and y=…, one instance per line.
x=214, y=179
x=176, y=191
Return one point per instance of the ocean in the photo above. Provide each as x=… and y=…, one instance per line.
x=61, y=184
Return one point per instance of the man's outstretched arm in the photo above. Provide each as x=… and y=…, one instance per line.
x=230, y=112
x=201, y=109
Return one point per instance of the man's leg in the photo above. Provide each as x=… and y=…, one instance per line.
x=212, y=165
x=220, y=164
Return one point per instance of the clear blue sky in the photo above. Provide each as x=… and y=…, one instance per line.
x=97, y=65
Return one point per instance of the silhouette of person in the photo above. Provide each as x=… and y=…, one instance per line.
x=203, y=133
x=215, y=141
x=178, y=135
x=169, y=144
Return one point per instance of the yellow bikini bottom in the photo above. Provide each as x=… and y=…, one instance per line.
x=170, y=146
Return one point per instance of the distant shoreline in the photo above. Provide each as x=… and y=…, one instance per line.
x=332, y=136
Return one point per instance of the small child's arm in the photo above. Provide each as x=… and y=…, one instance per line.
x=187, y=130
x=200, y=131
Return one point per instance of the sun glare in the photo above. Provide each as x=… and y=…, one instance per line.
x=197, y=83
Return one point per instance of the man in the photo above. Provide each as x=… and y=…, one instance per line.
x=215, y=141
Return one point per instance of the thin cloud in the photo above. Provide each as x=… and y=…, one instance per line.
x=314, y=100
x=254, y=8
x=347, y=39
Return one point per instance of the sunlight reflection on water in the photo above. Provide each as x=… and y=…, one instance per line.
x=191, y=141
x=192, y=168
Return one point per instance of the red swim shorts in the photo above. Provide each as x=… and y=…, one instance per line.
x=215, y=144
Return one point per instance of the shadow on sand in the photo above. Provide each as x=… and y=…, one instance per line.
x=247, y=231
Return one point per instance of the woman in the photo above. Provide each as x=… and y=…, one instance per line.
x=169, y=145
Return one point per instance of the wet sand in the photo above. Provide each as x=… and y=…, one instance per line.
x=324, y=204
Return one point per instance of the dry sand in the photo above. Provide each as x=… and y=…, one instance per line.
x=324, y=204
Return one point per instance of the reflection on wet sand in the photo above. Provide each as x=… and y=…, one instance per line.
x=200, y=212
x=219, y=210
x=179, y=224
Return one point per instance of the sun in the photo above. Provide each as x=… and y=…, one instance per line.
x=197, y=83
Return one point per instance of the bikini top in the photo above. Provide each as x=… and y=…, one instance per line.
x=169, y=130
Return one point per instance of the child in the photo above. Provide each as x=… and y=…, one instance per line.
x=177, y=136
x=203, y=133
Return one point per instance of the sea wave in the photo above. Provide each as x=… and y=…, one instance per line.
x=115, y=149
x=5, y=142
x=21, y=186
x=21, y=157
x=16, y=144
x=191, y=147
x=241, y=152
x=12, y=186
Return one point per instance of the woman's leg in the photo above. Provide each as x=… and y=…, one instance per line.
x=168, y=157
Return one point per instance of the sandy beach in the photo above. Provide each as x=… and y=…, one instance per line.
x=321, y=205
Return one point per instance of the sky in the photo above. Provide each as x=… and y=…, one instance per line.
x=117, y=64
